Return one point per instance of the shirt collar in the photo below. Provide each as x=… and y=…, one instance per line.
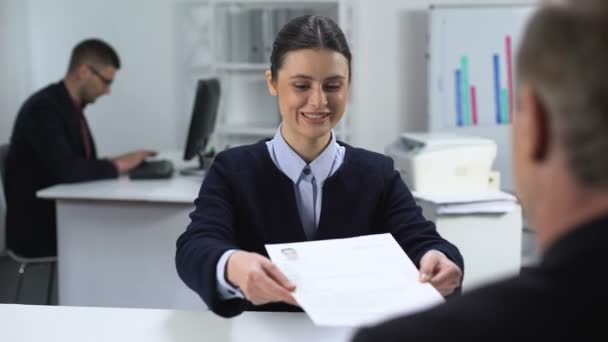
x=322, y=165
x=291, y=164
x=78, y=106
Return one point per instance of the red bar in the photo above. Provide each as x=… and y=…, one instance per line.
x=510, y=77
x=474, y=104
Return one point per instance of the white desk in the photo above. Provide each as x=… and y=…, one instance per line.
x=31, y=323
x=116, y=242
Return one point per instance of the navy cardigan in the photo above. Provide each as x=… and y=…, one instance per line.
x=246, y=202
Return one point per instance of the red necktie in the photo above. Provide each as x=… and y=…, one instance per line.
x=85, y=136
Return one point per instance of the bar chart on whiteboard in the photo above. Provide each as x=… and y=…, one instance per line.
x=472, y=73
x=466, y=101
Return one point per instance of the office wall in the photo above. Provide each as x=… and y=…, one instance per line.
x=389, y=85
x=14, y=66
x=140, y=111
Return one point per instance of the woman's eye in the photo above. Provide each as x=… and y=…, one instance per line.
x=333, y=87
x=300, y=86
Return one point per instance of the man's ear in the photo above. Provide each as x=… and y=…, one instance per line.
x=82, y=71
x=539, y=125
x=272, y=86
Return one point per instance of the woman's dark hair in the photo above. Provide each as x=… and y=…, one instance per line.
x=308, y=32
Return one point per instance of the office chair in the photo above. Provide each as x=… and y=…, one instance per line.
x=22, y=260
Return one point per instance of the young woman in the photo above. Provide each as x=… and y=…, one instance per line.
x=301, y=185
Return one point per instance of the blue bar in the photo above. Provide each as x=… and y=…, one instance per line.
x=497, y=92
x=458, y=84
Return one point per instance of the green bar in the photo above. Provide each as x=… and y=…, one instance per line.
x=505, y=106
x=466, y=91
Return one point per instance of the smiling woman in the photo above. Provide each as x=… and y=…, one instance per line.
x=310, y=74
x=301, y=185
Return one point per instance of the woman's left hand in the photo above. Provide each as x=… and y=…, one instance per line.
x=440, y=271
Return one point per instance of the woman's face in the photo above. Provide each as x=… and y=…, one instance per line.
x=312, y=87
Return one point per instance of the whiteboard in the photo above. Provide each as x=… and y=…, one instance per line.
x=471, y=69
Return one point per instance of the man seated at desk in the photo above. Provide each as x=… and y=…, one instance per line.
x=51, y=143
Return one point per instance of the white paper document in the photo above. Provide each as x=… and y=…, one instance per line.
x=353, y=281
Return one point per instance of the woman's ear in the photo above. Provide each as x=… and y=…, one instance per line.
x=272, y=86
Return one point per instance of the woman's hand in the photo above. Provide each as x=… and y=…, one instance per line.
x=260, y=280
x=440, y=271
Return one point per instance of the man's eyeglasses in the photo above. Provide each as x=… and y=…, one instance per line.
x=105, y=80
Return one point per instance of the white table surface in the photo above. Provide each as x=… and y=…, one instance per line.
x=178, y=189
x=29, y=323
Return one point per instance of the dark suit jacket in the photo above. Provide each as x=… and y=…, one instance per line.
x=564, y=296
x=46, y=149
x=246, y=202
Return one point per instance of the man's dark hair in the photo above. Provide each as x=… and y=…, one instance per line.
x=94, y=51
x=564, y=58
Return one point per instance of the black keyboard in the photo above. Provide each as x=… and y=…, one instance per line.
x=153, y=169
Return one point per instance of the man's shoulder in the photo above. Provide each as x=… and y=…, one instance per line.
x=527, y=291
x=45, y=104
x=535, y=299
x=47, y=96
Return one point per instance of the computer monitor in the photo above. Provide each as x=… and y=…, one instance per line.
x=202, y=123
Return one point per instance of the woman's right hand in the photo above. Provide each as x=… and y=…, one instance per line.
x=260, y=280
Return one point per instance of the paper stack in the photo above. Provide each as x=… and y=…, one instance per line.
x=484, y=202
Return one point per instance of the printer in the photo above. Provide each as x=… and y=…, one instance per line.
x=432, y=162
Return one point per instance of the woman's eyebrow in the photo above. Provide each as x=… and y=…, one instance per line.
x=307, y=77
x=301, y=76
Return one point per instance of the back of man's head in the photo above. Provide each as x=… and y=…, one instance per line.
x=564, y=58
x=93, y=51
